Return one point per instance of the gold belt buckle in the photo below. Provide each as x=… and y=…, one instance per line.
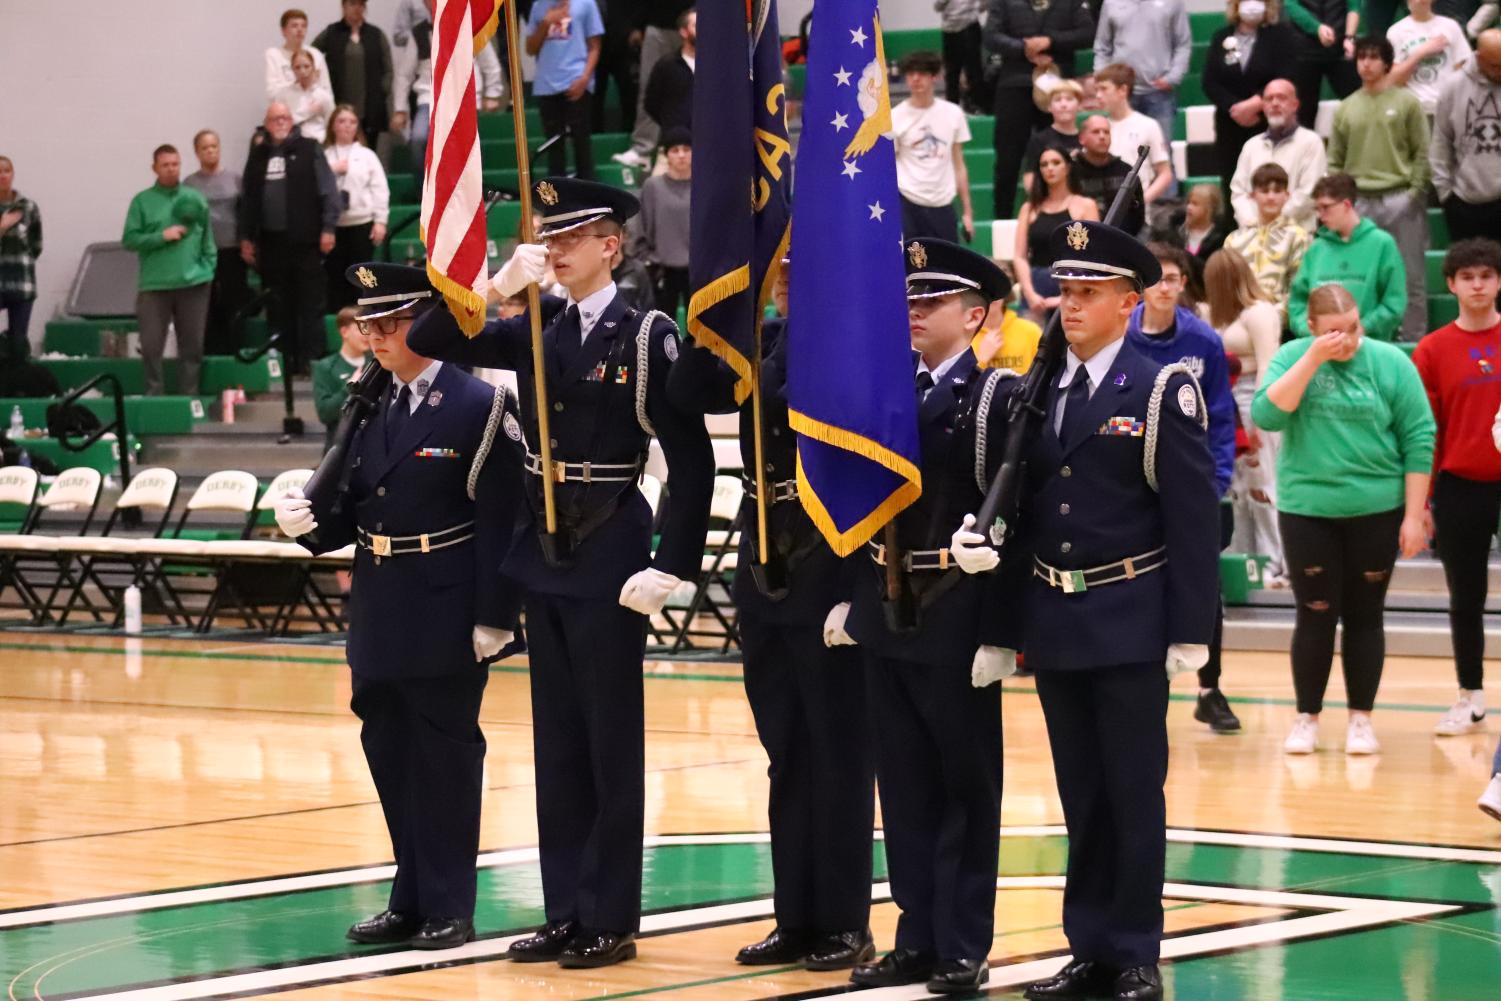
x=1073, y=582
x=380, y=545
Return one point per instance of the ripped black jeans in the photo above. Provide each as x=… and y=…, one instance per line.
x=1339, y=569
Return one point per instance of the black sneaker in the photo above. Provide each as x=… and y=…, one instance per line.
x=1214, y=710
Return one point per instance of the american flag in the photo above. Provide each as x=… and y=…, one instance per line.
x=453, y=197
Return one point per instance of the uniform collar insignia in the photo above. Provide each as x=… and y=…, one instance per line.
x=435, y=397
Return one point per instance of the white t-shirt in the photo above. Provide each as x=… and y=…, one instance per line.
x=925, y=139
x=1432, y=73
x=1136, y=130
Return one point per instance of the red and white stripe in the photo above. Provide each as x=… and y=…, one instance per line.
x=453, y=196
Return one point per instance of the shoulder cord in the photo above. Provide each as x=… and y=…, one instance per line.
x=1154, y=413
x=492, y=424
x=982, y=423
x=643, y=356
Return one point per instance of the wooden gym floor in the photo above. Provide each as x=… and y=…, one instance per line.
x=193, y=819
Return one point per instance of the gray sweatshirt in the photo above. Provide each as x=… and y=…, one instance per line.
x=222, y=190
x=665, y=221
x=1150, y=36
x=1466, y=149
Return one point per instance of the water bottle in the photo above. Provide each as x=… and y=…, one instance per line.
x=17, y=423
x=133, y=610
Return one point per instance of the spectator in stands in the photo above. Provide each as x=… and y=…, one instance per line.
x=20, y=246
x=665, y=212
x=564, y=37
x=1167, y=331
x=409, y=14
x=279, y=73
x=619, y=60
x=1380, y=138
x=963, y=79
x=669, y=90
x=512, y=306
x=309, y=97
x=1325, y=50
x=1250, y=325
x=220, y=187
x=658, y=37
x=1460, y=364
x=331, y=373
x=1062, y=133
x=359, y=67
x=1466, y=151
x=632, y=281
x=1297, y=150
x=288, y=216
x=1055, y=199
x=1352, y=482
x=413, y=82
x=1100, y=174
x=1006, y=340
x=930, y=135
x=366, y=198
x=1203, y=230
x=168, y=227
x=1153, y=40
x=1356, y=253
x=1130, y=129
x=1244, y=56
x=1019, y=37
x=1274, y=246
x=1428, y=50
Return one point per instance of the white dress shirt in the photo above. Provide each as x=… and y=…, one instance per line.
x=591, y=308
x=420, y=385
x=942, y=369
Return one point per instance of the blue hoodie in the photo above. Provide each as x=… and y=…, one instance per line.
x=1195, y=343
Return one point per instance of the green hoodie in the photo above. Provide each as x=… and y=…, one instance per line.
x=1367, y=265
x=179, y=263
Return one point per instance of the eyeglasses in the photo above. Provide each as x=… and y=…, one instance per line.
x=568, y=241
x=1322, y=207
x=1171, y=280
x=386, y=326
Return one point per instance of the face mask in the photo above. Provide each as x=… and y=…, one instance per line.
x=1253, y=11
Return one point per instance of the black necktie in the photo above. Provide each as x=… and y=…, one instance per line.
x=924, y=383
x=1075, y=402
x=398, y=415
x=569, y=337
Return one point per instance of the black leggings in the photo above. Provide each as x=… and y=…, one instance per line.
x=1339, y=569
x=1209, y=674
x=1465, y=513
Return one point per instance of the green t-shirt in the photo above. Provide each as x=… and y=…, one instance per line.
x=1361, y=426
x=331, y=375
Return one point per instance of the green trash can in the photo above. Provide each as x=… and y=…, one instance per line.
x=1240, y=574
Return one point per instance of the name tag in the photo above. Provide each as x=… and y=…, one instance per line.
x=437, y=453
x=1123, y=427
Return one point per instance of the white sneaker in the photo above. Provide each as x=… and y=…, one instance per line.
x=1466, y=715
x=1303, y=738
x=630, y=158
x=1360, y=737
x=1490, y=800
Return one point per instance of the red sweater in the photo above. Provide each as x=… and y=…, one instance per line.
x=1461, y=370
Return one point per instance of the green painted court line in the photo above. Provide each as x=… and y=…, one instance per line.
x=665, y=988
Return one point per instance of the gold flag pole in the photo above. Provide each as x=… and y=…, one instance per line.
x=533, y=299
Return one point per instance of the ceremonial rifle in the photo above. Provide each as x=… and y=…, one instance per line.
x=365, y=391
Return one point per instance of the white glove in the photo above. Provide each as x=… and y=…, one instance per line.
x=971, y=550
x=833, y=626
x=1496, y=431
x=992, y=663
x=647, y=590
x=1185, y=657
x=489, y=641
x=294, y=514
x=526, y=267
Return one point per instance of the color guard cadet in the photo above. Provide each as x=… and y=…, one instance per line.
x=591, y=587
x=805, y=681
x=931, y=638
x=429, y=491
x=1121, y=517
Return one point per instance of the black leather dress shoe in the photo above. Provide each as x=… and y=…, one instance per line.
x=897, y=967
x=591, y=949
x=385, y=928
x=842, y=951
x=1079, y=979
x=545, y=945
x=958, y=976
x=783, y=945
x=443, y=933
x=1214, y=709
x=1139, y=983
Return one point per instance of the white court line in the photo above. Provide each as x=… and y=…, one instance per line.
x=514, y=856
x=1344, y=914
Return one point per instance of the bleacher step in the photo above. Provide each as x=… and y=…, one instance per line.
x=1408, y=634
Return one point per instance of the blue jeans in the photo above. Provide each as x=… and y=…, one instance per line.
x=18, y=311
x=421, y=122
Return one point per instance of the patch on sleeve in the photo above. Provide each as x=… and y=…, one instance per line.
x=1188, y=401
x=670, y=346
x=512, y=427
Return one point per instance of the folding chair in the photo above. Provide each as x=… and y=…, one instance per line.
x=18, y=507
x=25, y=558
x=711, y=592
x=99, y=561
